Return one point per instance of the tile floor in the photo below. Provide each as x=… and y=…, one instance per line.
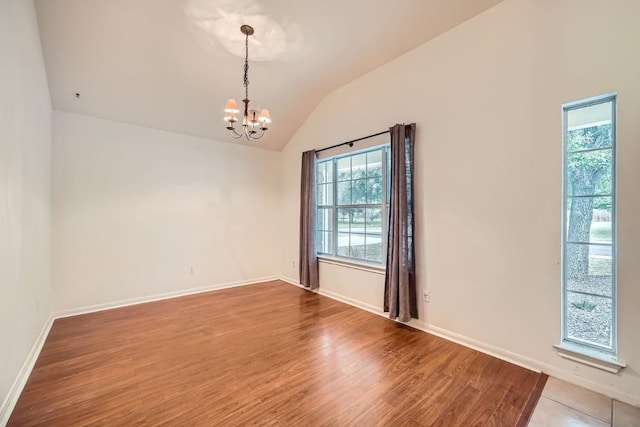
x=563, y=404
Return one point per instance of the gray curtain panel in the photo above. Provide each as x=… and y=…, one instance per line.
x=308, y=263
x=400, y=298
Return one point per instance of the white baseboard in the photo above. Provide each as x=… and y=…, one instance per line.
x=157, y=297
x=434, y=330
x=531, y=364
x=21, y=380
x=500, y=353
x=517, y=359
x=291, y=281
x=364, y=306
x=18, y=385
x=368, y=307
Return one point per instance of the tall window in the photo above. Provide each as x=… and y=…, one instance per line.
x=352, y=197
x=589, y=223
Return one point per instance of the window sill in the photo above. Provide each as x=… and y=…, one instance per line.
x=586, y=356
x=371, y=268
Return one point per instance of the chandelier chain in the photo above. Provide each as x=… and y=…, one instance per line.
x=246, y=67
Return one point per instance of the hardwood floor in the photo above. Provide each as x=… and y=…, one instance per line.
x=266, y=354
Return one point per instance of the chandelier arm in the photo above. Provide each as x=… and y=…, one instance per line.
x=235, y=134
x=257, y=137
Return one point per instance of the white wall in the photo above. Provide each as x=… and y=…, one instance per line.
x=134, y=208
x=486, y=97
x=25, y=180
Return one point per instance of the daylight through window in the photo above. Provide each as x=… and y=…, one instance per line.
x=589, y=224
x=352, y=199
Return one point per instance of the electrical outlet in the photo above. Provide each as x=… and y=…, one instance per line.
x=293, y=264
x=426, y=296
x=191, y=270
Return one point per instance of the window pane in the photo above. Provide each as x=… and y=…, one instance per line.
x=324, y=242
x=589, y=219
x=600, y=285
x=589, y=318
x=374, y=247
x=325, y=194
x=359, y=191
x=589, y=127
x=388, y=156
x=374, y=163
x=357, y=220
x=324, y=219
x=588, y=268
x=374, y=190
x=357, y=247
x=343, y=244
x=344, y=169
x=321, y=197
x=589, y=173
x=329, y=171
x=344, y=219
x=359, y=166
x=589, y=138
x=328, y=236
x=374, y=220
x=601, y=229
x=344, y=193
x=321, y=172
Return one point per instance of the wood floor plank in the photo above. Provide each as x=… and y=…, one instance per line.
x=265, y=354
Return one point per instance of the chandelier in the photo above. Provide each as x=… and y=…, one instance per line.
x=254, y=123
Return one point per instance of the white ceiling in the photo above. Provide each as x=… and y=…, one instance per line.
x=171, y=64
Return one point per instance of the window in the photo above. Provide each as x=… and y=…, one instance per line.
x=352, y=198
x=589, y=224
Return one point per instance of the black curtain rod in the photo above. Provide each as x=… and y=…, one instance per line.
x=350, y=143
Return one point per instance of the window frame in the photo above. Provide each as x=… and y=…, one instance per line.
x=584, y=346
x=384, y=205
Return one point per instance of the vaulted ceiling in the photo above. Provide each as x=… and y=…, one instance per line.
x=171, y=64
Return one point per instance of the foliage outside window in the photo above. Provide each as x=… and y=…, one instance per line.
x=589, y=223
x=352, y=199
